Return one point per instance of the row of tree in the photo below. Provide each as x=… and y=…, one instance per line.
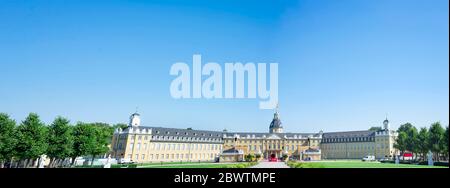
x=23, y=144
x=420, y=142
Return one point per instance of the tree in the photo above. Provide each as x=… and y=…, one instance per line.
x=412, y=141
x=103, y=136
x=400, y=142
x=423, y=142
x=91, y=139
x=405, y=127
x=83, y=140
x=31, y=139
x=284, y=157
x=446, y=140
x=60, y=140
x=7, y=139
x=410, y=138
x=375, y=129
x=258, y=156
x=436, y=139
x=120, y=125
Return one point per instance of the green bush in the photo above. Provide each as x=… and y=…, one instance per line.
x=242, y=165
x=435, y=163
x=249, y=157
x=89, y=166
x=124, y=166
x=304, y=165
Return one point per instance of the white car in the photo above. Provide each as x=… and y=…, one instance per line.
x=368, y=158
x=125, y=161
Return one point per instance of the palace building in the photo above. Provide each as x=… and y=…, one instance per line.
x=357, y=144
x=147, y=144
x=155, y=144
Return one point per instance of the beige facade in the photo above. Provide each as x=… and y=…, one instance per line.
x=272, y=144
x=358, y=144
x=158, y=144
x=153, y=144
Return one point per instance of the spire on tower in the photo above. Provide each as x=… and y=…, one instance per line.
x=277, y=107
x=275, y=125
x=386, y=123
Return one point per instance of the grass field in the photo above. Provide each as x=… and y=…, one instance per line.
x=354, y=164
x=200, y=165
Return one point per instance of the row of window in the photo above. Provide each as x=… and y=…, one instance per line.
x=264, y=136
x=354, y=147
x=192, y=156
x=172, y=146
x=272, y=146
x=353, y=139
x=270, y=141
x=194, y=133
x=180, y=138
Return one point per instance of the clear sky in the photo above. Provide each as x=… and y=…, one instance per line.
x=343, y=65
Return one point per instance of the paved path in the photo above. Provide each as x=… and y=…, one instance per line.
x=265, y=164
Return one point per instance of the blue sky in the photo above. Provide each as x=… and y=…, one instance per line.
x=343, y=65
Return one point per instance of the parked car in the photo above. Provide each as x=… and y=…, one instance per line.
x=126, y=161
x=368, y=158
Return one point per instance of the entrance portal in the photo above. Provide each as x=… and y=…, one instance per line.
x=273, y=157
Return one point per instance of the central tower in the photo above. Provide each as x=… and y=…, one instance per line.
x=275, y=125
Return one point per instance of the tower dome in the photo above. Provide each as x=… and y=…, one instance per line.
x=275, y=125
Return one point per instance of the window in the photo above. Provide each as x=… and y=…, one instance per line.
x=143, y=156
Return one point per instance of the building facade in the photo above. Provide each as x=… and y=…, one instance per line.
x=275, y=143
x=357, y=144
x=155, y=144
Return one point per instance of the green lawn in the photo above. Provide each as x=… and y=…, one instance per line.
x=354, y=164
x=201, y=165
x=170, y=163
